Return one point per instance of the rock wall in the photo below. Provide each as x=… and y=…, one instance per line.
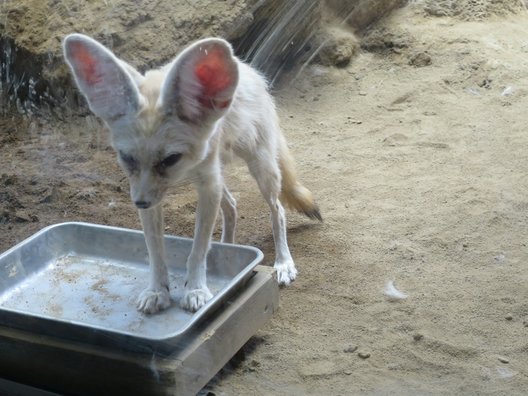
x=359, y=14
x=147, y=34
x=473, y=10
x=273, y=34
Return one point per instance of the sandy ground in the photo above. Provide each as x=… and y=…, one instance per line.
x=420, y=173
x=421, y=176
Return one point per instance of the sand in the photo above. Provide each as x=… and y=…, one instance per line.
x=421, y=176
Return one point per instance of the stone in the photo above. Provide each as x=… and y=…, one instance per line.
x=420, y=59
x=350, y=349
x=364, y=354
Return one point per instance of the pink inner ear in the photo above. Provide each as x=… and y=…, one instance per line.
x=87, y=64
x=213, y=72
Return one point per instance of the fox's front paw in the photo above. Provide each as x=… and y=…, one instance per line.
x=286, y=272
x=151, y=301
x=195, y=299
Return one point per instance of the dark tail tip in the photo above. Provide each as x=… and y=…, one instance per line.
x=314, y=214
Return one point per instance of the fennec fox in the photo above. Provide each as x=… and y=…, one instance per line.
x=179, y=124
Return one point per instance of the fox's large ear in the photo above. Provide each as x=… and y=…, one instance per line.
x=102, y=78
x=201, y=82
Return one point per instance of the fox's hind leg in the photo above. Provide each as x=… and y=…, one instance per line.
x=229, y=216
x=267, y=174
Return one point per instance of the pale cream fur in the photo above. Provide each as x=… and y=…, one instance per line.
x=159, y=116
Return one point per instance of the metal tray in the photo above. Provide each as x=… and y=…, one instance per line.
x=80, y=281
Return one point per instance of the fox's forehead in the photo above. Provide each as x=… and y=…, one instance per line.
x=149, y=148
x=148, y=120
x=150, y=87
x=150, y=132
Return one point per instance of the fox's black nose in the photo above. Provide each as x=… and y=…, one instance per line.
x=142, y=204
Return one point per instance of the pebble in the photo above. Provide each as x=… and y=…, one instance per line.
x=509, y=317
x=364, y=355
x=350, y=120
x=350, y=349
x=499, y=258
x=503, y=359
x=21, y=216
x=420, y=59
x=418, y=337
x=486, y=83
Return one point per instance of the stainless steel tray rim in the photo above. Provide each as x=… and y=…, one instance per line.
x=257, y=251
x=148, y=338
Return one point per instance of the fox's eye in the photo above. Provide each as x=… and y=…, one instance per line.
x=130, y=162
x=168, y=161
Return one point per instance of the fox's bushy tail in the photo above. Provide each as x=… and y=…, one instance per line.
x=293, y=194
